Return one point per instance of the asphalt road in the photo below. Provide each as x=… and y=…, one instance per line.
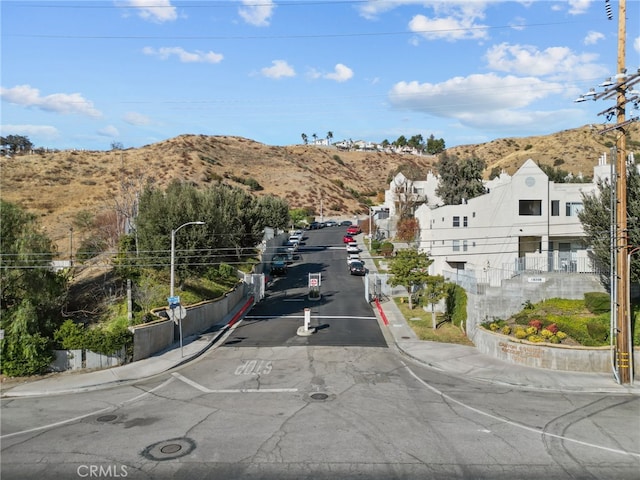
x=265, y=405
x=341, y=317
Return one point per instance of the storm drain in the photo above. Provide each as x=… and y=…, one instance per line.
x=319, y=396
x=169, y=449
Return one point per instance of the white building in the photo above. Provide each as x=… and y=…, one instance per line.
x=523, y=223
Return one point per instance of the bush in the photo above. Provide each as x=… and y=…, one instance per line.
x=598, y=331
x=597, y=302
x=386, y=249
x=456, y=304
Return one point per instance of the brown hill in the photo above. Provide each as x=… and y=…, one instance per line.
x=59, y=186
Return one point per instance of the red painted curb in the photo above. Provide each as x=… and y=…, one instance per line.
x=384, y=317
x=238, y=315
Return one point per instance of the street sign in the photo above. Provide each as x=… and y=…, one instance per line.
x=177, y=313
x=175, y=300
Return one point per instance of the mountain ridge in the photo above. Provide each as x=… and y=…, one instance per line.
x=58, y=187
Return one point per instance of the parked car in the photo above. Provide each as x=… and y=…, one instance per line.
x=348, y=239
x=314, y=226
x=353, y=230
x=345, y=223
x=357, y=268
x=331, y=223
x=353, y=257
x=353, y=248
x=279, y=265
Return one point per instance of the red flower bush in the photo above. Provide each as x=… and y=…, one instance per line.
x=537, y=324
x=553, y=328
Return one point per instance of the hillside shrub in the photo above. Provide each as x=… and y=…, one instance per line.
x=597, y=302
x=72, y=336
x=386, y=249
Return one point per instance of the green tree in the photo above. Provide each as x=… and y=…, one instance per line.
x=305, y=138
x=459, y=180
x=596, y=221
x=410, y=269
x=417, y=142
x=434, y=146
x=329, y=136
x=16, y=144
x=32, y=293
x=434, y=291
x=234, y=225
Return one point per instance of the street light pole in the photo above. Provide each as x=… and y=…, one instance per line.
x=172, y=276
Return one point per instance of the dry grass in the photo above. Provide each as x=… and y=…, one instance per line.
x=57, y=186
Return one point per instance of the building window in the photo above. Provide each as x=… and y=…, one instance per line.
x=573, y=208
x=473, y=215
x=530, y=207
x=465, y=221
x=456, y=221
x=464, y=246
x=456, y=245
x=555, y=208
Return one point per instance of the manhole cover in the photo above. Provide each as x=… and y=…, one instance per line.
x=169, y=449
x=319, y=396
x=106, y=418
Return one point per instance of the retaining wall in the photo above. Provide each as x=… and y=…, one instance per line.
x=555, y=357
x=151, y=338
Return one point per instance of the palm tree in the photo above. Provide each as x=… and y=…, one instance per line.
x=305, y=139
x=329, y=136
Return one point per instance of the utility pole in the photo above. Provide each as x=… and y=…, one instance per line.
x=623, y=341
x=623, y=356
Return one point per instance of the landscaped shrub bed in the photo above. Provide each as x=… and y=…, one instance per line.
x=584, y=322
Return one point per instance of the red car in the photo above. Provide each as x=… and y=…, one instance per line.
x=347, y=239
x=353, y=230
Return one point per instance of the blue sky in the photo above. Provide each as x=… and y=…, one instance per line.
x=86, y=74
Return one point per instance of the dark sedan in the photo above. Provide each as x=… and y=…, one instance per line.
x=357, y=268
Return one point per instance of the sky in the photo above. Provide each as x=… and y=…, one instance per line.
x=128, y=73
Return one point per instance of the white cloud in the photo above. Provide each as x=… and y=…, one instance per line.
x=452, y=21
x=65, y=103
x=449, y=28
x=593, y=37
x=109, y=131
x=552, y=61
x=257, y=14
x=43, y=131
x=472, y=97
x=158, y=11
x=342, y=73
x=185, y=57
x=279, y=69
x=134, y=118
x=578, y=7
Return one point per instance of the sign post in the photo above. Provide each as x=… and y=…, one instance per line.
x=176, y=313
